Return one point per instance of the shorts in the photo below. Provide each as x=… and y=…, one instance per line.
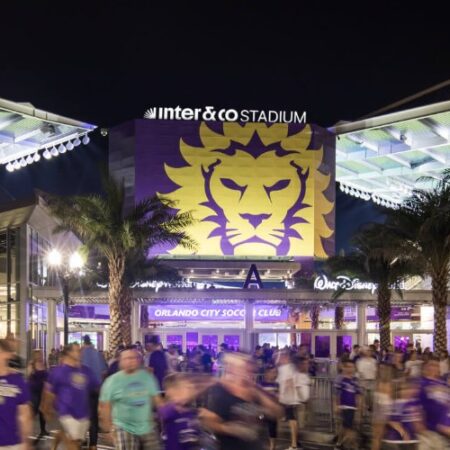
x=348, y=417
x=290, y=412
x=127, y=441
x=75, y=429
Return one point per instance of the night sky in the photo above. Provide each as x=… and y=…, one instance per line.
x=107, y=62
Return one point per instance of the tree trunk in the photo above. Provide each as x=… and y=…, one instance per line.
x=126, y=303
x=116, y=268
x=144, y=316
x=339, y=317
x=384, y=315
x=314, y=314
x=439, y=292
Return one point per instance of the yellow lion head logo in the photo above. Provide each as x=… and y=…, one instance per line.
x=254, y=190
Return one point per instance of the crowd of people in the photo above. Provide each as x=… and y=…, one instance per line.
x=147, y=397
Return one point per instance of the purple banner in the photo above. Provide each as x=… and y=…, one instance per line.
x=171, y=313
x=397, y=313
x=89, y=312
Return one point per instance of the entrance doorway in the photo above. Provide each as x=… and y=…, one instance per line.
x=188, y=340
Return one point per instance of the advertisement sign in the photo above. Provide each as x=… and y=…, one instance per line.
x=171, y=313
x=398, y=313
x=254, y=189
x=342, y=282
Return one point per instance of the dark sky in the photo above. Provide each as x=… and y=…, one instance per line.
x=107, y=61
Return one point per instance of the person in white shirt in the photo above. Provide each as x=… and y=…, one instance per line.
x=367, y=367
x=413, y=366
x=293, y=390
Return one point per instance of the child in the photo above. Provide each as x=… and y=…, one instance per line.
x=348, y=403
x=179, y=420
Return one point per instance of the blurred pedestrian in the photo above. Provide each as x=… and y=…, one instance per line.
x=126, y=404
x=348, y=405
x=68, y=389
x=236, y=404
x=157, y=362
x=90, y=357
x=15, y=415
x=37, y=376
x=52, y=358
x=180, y=422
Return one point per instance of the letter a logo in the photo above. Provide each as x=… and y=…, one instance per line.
x=253, y=279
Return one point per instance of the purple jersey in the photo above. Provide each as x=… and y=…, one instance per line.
x=434, y=397
x=72, y=387
x=349, y=389
x=181, y=428
x=13, y=393
x=407, y=412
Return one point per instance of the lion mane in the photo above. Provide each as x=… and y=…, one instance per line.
x=303, y=228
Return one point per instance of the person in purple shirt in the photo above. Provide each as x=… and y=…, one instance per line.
x=158, y=361
x=15, y=411
x=404, y=423
x=181, y=426
x=348, y=402
x=68, y=389
x=37, y=376
x=435, y=399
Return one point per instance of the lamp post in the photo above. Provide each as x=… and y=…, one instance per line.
x=65, y=266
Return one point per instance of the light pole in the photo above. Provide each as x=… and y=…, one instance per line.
x=65, y=266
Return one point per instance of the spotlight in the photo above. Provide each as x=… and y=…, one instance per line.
x=47, y=154
x=76, y=142
x=85, y=140
x=69, y=146
x=23, y=163
x=36, y=157
x=16, y=165
x=62, y=149
x=9, y=167
x=30, y=159
x=54, y=151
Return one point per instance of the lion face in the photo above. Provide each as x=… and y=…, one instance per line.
x=255, y=195
x=255, y=190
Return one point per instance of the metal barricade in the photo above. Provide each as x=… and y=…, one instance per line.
x=320, y=411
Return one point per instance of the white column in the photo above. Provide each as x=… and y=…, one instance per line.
x=248, y=334
x=361, y=324
x=51, y=325
x=135, y=321
x=23, y=294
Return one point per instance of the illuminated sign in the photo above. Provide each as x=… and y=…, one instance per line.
x=261, y=313
x=322, y=283
x=253, y=189
x=209, y=113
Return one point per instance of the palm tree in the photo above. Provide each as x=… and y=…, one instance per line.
x=375, y=258
x=423, y=223
x=105, y=225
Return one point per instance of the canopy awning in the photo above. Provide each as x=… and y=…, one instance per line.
x=27, y=133
x=384, y=158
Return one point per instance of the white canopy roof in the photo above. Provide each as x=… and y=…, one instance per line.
x=25, y=130
x=383, y=158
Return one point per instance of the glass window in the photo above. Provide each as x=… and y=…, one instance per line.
x=233, y=341
x=343, y=343
x=322, y=346
x=191, y=340
x=267, y=338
